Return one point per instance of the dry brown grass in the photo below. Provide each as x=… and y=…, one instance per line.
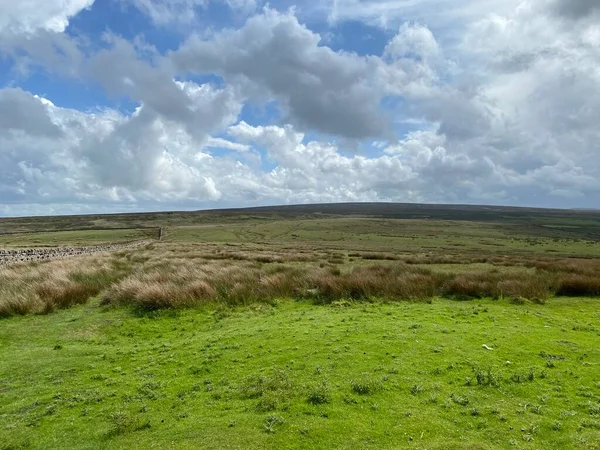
x=162, y=288
x=579, y=266
x=60, y=293
x=471, y=286
x=444, y=259
x=378, y=256
x=177, y=276
x=237, y=283
x=577, y=285
x=45, y=287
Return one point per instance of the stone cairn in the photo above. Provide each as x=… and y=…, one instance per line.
x=15, y=256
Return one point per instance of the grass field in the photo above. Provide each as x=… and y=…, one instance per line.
x=407, y=236
x=295, y=375
x=349, y=327
x=73, y=238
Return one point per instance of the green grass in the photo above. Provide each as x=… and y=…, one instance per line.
x=395, y=235
x=72, y=238
x=513, y=222
x=396, y=227
x=519, y=372
x=401, y=236
x=296, y=375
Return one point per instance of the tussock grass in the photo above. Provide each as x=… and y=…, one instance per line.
x=181, y=282
x=45, y=287
x=180, y=276
x=576, y=285
x=60, y=293
x=498, y=285
x=379, y=257
x=157, y=289
x=365, y=385
x=445, y=259
x=579, y=266
x=242, y=283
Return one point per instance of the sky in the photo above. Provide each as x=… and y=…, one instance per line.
x=153, y=105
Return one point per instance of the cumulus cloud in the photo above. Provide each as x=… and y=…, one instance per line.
x=20, y=112
x=505, y=111
x=539, y=80
x=271, y=57
x=31, y=34
x=575, y=9
x=417, y=168
x=108, y=157
x=123, y=71
x=101, y=156
x=30, y=16
x=274, y=55
x=413, y=42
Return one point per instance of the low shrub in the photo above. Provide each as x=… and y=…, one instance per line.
x=318, y=394
x=364, y=386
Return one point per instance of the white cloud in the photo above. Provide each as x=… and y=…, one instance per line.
x=541, y=83
x=440, y=14
x=413, y=41
x=22, y=113
x=575, y=9
x=224, y=143
x=165, y=12
x=146, y=77
x=417, y=169
x=31, y=34
x=505, y=112
x=107, y=158
x=28, y=16
x=101, y=156
x=339, y=93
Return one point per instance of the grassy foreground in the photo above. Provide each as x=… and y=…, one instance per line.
x=295, y=375
x=325, y=326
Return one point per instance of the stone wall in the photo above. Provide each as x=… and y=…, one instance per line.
x=21, y=255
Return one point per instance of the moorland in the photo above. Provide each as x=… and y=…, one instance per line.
x=311, y=326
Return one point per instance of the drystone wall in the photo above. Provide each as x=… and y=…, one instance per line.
x=23, y=255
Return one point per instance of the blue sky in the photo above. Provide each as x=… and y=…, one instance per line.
x=125, y=105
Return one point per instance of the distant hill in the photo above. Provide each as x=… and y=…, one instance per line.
x=379, y=210
x=582, y=223
x=399, y=210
